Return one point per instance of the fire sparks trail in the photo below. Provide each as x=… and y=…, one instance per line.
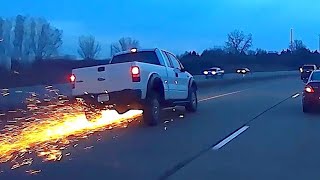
x=52, y=128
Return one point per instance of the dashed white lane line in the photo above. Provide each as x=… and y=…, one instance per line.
x=296, y=95
x=230, y=138
x=218, y=96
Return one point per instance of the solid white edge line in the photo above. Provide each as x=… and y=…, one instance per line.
x=230, y=138
x=296, y=95
x=221, y=95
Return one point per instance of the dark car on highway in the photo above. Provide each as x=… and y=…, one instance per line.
x=214, y=72
x=306, y=70
x=311, y=93
x=243, y=71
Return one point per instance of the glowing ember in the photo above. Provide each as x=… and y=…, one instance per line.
x=51, y=129
x=33, y=171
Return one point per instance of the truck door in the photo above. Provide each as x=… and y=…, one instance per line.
x=180, y=78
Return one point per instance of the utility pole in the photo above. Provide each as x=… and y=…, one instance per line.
x=319, y=43
x=291, y=39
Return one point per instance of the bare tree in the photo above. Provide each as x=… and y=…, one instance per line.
x=7, y=43
x=27, y=52
x=48, y=41
x=297, y=45
x=2, y=47
x=33, y=35
x=124, y=44
x=238, y=42
x=89, y=48
x=18, y=36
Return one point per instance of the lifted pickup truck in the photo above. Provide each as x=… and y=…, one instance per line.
x=137, y=79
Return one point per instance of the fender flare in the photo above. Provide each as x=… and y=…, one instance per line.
x=152, y=79
x=192, y=82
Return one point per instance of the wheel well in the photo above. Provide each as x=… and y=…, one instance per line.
x=156, y=85
x=194, y=85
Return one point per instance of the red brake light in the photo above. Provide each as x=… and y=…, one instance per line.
x=135, y=72
x=309, y=89
x=72, y=78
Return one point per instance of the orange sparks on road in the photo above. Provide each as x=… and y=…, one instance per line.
x=53, y=128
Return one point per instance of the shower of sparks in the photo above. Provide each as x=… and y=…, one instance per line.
x=49, y=129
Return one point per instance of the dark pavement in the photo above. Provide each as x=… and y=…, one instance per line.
x=283, y=143
x=280, y=140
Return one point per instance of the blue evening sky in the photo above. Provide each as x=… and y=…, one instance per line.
x=174, y=24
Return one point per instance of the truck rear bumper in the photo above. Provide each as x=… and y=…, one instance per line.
x=117, y=98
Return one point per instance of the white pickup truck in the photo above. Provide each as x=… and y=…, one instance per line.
x=148, y=79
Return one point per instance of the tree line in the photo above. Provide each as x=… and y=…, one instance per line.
x=25, y=40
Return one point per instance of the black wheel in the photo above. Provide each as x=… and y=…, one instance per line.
x=152, y=109
x=306, y=108
x=192, y=105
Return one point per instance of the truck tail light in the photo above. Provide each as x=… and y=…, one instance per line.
x=309, y=89
x=135, y=73
x=73, y=80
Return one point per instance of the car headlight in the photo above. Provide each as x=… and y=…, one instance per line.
x=205, y=72
x=238, y=71
x=301, y=70
x=243, y=71
x=213, y=72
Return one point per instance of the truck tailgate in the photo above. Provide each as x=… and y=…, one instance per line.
x=99, y=79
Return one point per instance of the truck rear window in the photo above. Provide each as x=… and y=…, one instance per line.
x=144, y=56
x=308, y=67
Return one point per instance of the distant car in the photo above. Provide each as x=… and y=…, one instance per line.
x=214, y=72
x=311, y=93
x=306, y=70
x=243, y=71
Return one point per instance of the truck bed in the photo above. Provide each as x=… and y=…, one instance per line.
x=113, y=78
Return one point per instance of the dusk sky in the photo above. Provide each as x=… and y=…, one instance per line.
x=176, y=25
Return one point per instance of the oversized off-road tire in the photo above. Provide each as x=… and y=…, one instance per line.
x=92, y=113
x=152, y=110
x=192, y=104
x=306, y=108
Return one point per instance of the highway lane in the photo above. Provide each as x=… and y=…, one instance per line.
x=283, y=143
x=149, y=153
x=15, y=97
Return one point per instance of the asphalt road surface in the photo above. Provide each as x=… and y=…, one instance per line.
x=246, y=131
x=16, y=96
